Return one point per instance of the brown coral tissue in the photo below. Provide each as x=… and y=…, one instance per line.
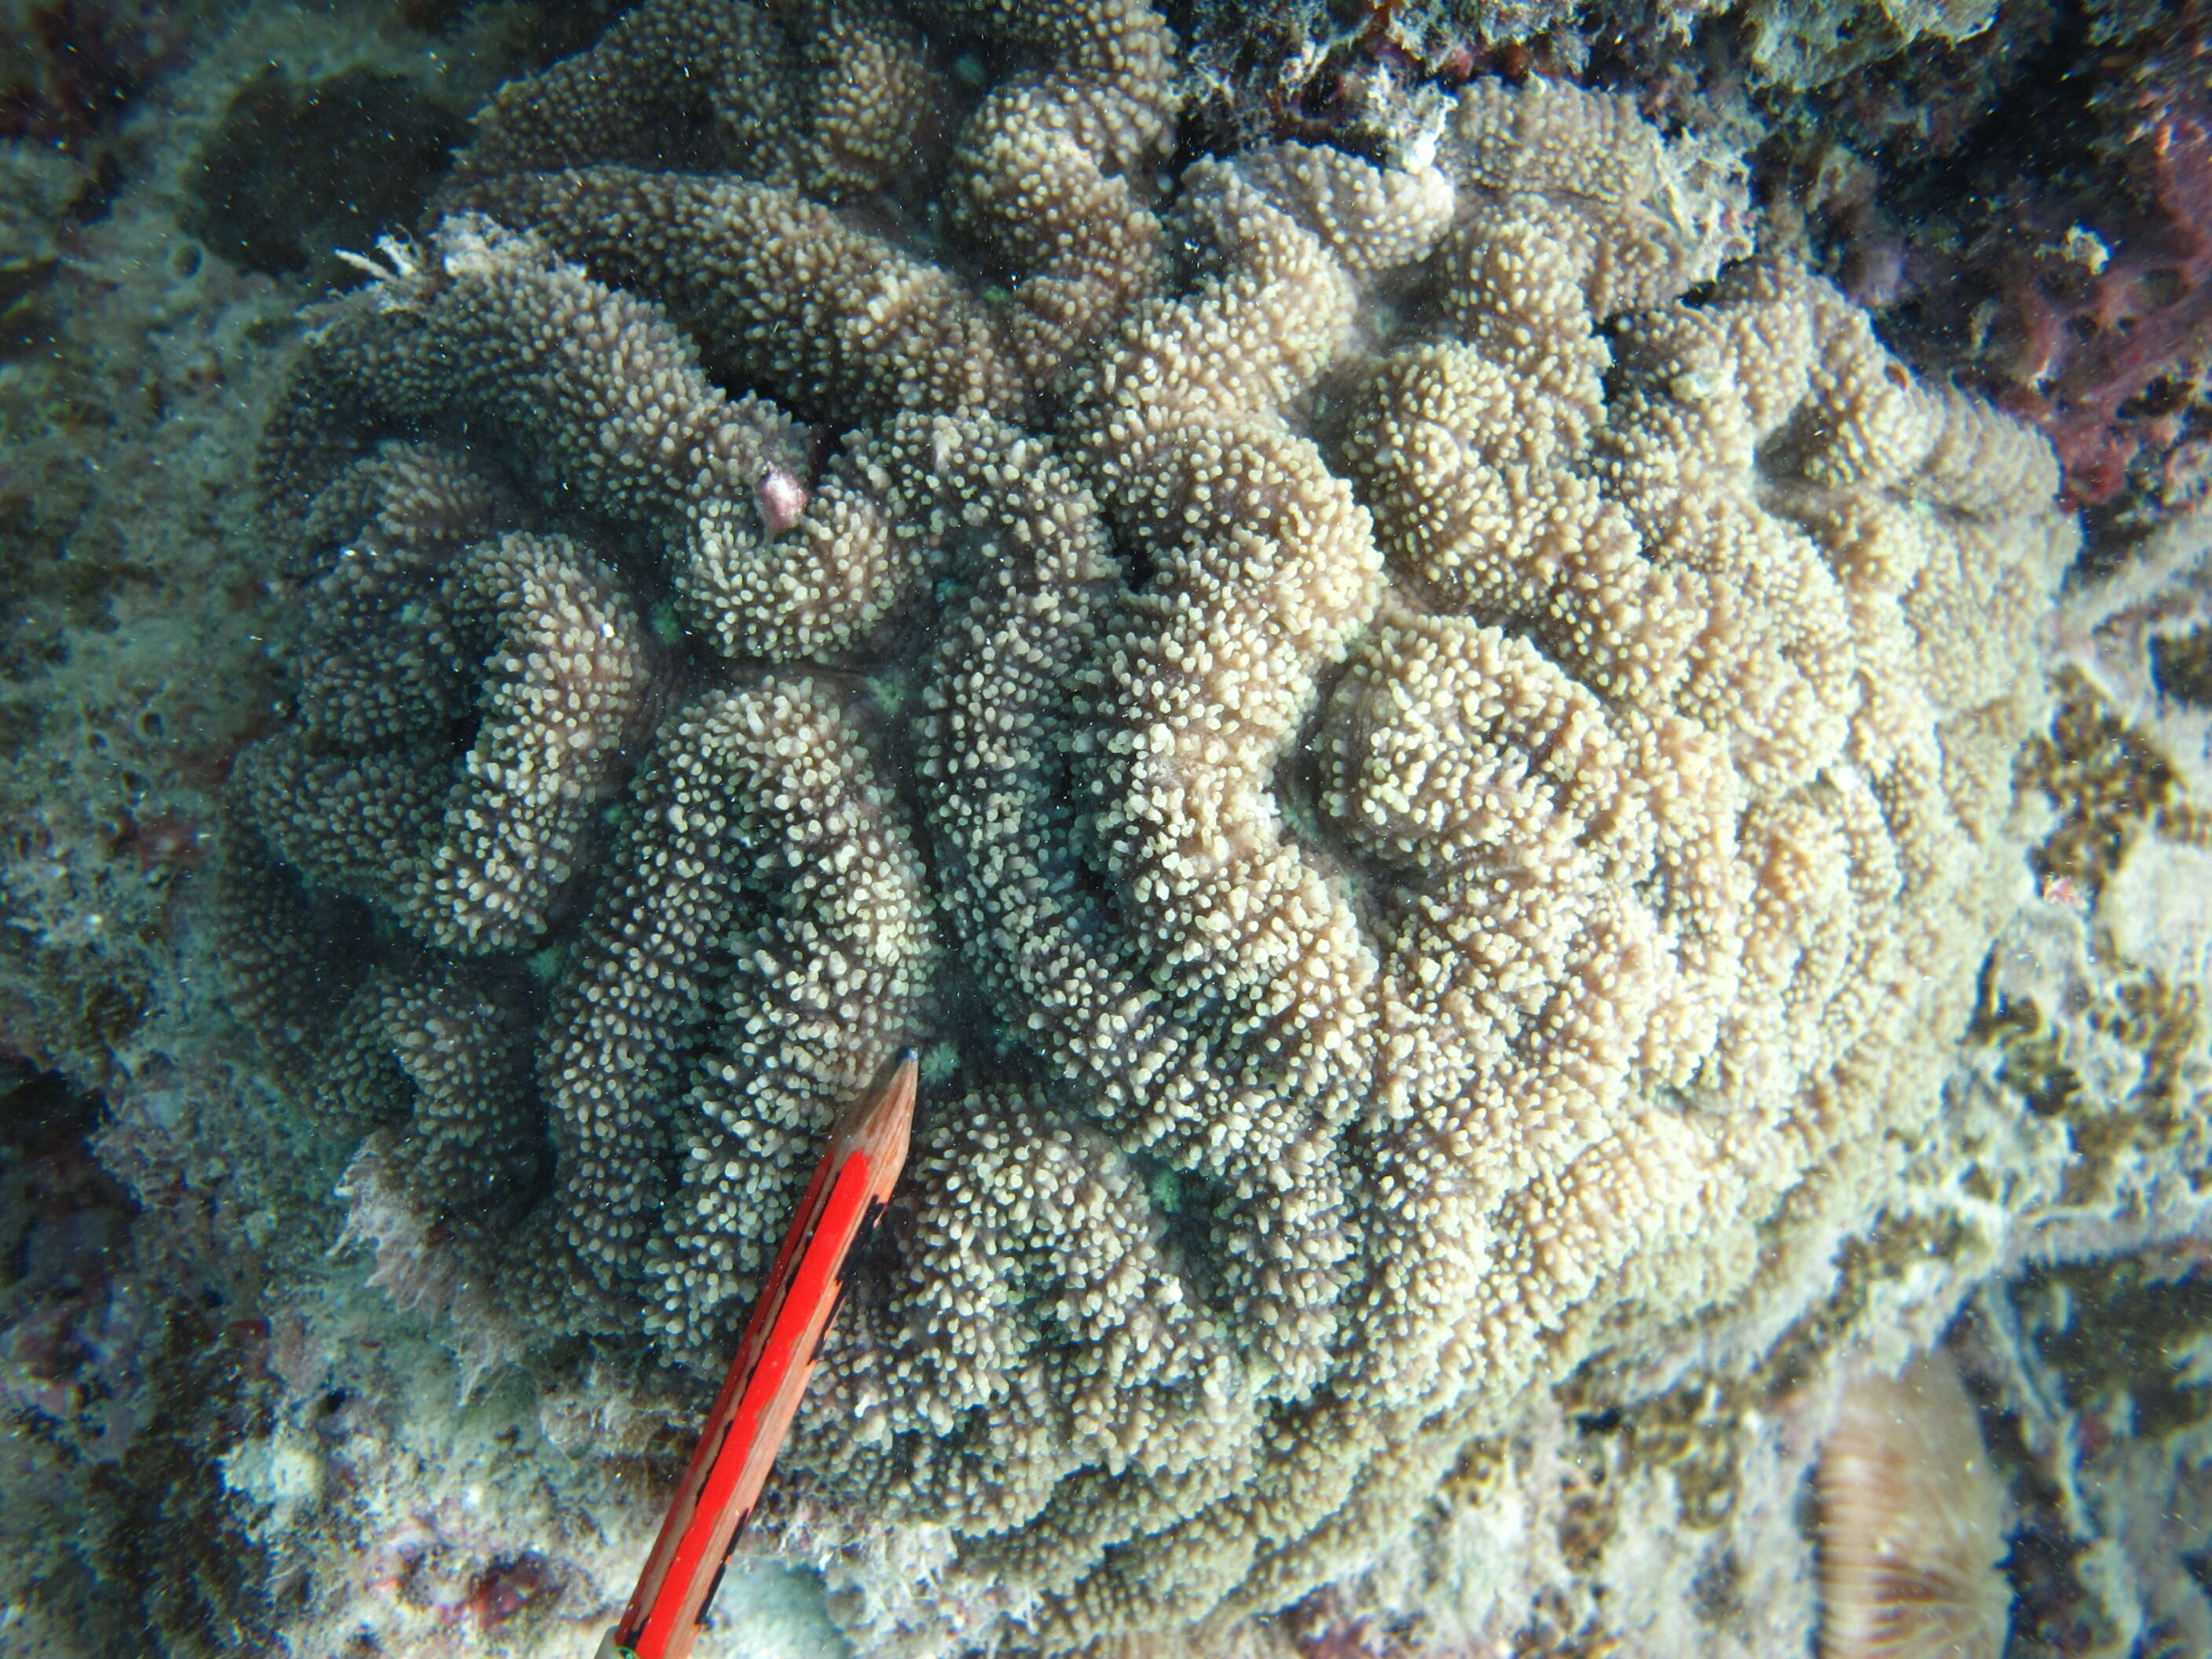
x=1426, y=747
x=1911, y=1523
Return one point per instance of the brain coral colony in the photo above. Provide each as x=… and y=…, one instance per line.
x=1424, y=744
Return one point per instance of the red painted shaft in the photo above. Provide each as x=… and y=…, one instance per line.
x=767, y=1379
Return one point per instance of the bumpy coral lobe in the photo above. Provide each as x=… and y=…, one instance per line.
x=1446, y=796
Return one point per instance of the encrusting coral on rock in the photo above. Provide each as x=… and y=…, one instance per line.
x=1433, y=745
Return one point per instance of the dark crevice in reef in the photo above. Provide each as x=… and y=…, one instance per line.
x=300, y=170
x=120, y=1420
x=2182, y=667
x=47, y=1175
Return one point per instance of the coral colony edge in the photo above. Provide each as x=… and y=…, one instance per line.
x=1555, y=931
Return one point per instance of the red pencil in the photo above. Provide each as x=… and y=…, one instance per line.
x=851, y=1185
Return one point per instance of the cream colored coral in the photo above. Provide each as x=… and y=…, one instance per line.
x=446, y=1046
x=1262, y=565
x=1645, y=803
x=762, y=944
x=825, y=97
x=473, y=850
x=777, y=287
x=1049, y=174
x=1047, y=183
x=831, y=955
x=1464, y=777
x=1115, y=1372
